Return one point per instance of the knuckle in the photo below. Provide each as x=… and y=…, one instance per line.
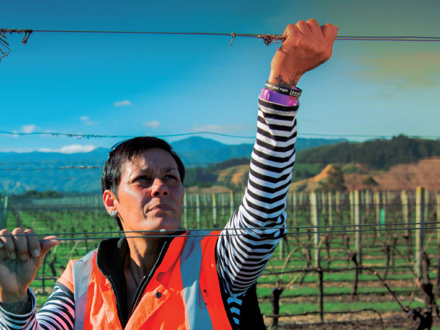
x=17, y=231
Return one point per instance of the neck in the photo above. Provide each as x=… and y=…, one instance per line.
x=143, y=255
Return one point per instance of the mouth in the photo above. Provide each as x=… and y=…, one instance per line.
x=161, y=207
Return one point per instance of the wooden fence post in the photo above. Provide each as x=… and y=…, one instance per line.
x=330, y=209
x=350, y=199
x=223, y=207
x=426, y=213
x=383, y=216
x=323, y=202
x=198, y=211
x=358, y=227
x=367, y=202
x=420, y=210
x=214, y=211
x=4, y=213
x=231, y=204
x=437, y=280
x=405, y=210
x=185, y=210
x=438, y=218
x=295, y=204
x=338, y=201
x=315, y=222
x=377, y=204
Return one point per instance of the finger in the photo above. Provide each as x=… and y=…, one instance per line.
x=330, y=32
x=8, y=243
x=291, y=31
x=21, y=246
x=314, y=27
x=33, y=243
x=304, y=28
x=48, y=243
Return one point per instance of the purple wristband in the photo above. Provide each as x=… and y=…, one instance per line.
x=281, y=99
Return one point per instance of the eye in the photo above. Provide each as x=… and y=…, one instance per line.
x=171, y=177
x=144, y=180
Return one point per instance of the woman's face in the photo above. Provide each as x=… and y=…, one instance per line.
x=150, y=194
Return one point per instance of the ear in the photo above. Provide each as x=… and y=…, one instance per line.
x=109, y=199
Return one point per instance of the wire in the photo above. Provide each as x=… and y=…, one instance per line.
x=172, y=233
x=90, y=136
x=79, y=167
x=275, y=37
x=98, y=136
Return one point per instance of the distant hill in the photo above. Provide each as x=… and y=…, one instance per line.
x=376, y=154
x=377, y=159
x=399, y=177
x=198, y=151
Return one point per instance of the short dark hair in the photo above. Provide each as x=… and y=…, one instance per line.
x=127, y=150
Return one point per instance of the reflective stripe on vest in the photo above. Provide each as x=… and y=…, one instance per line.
x=190, y=267
x=81, y=271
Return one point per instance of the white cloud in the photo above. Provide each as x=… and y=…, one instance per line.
x=72, y=149
x=28, y=128
x=152, y=124
x=122, y=103
x=86, y=120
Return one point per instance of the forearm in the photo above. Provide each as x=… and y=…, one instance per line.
x=21, y=307
x=253, y=232
x=20, y=315
x=57, y=313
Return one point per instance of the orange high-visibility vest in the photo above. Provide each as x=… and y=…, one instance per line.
x=184, y=292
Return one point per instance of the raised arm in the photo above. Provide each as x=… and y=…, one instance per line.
x=251, y=235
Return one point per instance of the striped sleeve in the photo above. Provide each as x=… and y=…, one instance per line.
x=56, y=314
x=251, y=235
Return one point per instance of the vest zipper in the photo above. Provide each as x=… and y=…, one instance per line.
x=146, y=279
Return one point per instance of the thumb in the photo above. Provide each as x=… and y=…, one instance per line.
x=48, y=243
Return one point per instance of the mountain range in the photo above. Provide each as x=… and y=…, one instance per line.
x=80, y=172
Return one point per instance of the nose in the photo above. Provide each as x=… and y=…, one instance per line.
x=159, y=188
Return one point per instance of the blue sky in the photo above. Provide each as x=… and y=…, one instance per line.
x=129, y=85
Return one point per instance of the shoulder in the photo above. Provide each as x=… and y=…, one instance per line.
x=67, y=278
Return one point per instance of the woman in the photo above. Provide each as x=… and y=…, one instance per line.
x=190, y=280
